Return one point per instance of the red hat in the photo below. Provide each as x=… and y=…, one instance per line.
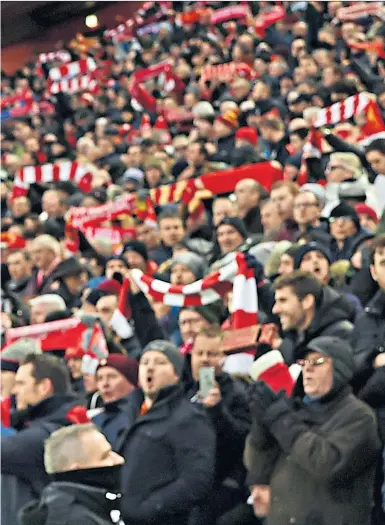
x=272, y=369
x=229, y=118
x=364, y=209
x=76, y=352
x=127, y=366
x=248, y=134
x=111, y=286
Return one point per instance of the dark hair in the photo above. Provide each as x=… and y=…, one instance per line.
x=302, y=284
x=170, y=214
x=377, y=244
x=50, y=367
x=213, y=331
x=376, y=145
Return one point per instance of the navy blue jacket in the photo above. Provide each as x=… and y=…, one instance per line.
x=113, y=420
x=169, y=457
x=22, y=454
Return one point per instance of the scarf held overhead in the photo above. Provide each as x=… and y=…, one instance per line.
x=235, y=277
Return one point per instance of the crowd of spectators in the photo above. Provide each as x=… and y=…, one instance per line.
x=292, y=433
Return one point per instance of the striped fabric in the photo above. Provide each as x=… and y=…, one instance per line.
x=235, y=277
x=62, y=56
x=360, y=10
x=73, y=69
x=344, y=110
x=49, y=173
x=72, y=85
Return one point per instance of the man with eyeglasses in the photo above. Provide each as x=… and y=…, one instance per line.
x=345, y=228
x=312, y=459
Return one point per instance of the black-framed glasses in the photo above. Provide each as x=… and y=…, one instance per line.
x=312, y=362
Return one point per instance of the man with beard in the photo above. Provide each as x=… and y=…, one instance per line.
x=307, y=309
x=85, y=486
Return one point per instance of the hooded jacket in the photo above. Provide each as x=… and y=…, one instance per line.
x=334, y=316
x=317, y=455
x=65, y=503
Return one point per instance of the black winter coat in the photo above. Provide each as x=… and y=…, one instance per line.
x=169, y=457
x=225, y=147
x=368, y=338
x=231, y=420
x=333, y=316
x=22, y=453
x=319, y=460
x=112, y=421
x=252, y=221
x=65, y=503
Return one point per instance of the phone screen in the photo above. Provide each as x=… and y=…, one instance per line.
x=206, y=380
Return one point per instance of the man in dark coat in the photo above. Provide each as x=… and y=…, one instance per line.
x=313, y=459
x=116, y=378
x=169, y=449
x=43, y=405
x=227, y=407
x=85, y=486
x=68, y=279
x=306, y=310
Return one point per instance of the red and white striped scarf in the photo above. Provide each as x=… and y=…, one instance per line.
x=344, y=110
x=66, y=171
x=81, y=217
x=360, y=10
x=229, y=13
x=73, y=85
x=62, y=56
x=226, y=72
x=73, y=69
x=235, y=277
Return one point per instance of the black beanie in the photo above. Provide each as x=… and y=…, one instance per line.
x=301, y=251
x=236, y=223
x=138, y=247
x=344, y=210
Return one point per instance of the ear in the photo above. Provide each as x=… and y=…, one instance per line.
x=373, y=272
x=46, y=387
x=308, y=302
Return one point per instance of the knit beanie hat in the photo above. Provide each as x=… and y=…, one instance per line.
x=127, y=366
x=203, y=109
x=344, y=210
x=248, y=134
x=214, y=313
x=302, y=250
x=94, y=296
x=111, y=286
x=170, y=351
x=138, y=247
x=236, y=223
x=195, y=263
x=364, y=209
x=15, y=353
x=316, y=190
x=229, y=118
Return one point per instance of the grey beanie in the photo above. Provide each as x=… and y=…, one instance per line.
x=14, y=354
x=170, y=351
x=196, y=264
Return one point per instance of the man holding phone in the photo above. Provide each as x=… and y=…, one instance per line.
x=224, y=400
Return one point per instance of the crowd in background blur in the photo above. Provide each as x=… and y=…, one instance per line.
x=295, y=432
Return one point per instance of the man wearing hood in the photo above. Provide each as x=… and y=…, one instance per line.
x=312, y=460
x=85, y=486
x=306, y=310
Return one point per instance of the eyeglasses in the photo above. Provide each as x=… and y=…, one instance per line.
x=311, y=362
x=305, y=205
x=343, y=217
x=332, y=168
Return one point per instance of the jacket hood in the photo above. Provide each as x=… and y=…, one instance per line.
x=342, y=357
x=59, y=495
x=333, y=307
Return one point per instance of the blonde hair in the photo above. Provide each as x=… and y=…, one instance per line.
x=48, y=242
x=65, y=447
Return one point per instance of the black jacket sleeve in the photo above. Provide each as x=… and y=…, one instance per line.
x=147, y=328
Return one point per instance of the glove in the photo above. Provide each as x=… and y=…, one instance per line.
x=261, y=397
x=259, y=272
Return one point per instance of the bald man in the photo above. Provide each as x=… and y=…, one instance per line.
x=248, y=195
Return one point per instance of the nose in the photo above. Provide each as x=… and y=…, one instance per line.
x=275, y=309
